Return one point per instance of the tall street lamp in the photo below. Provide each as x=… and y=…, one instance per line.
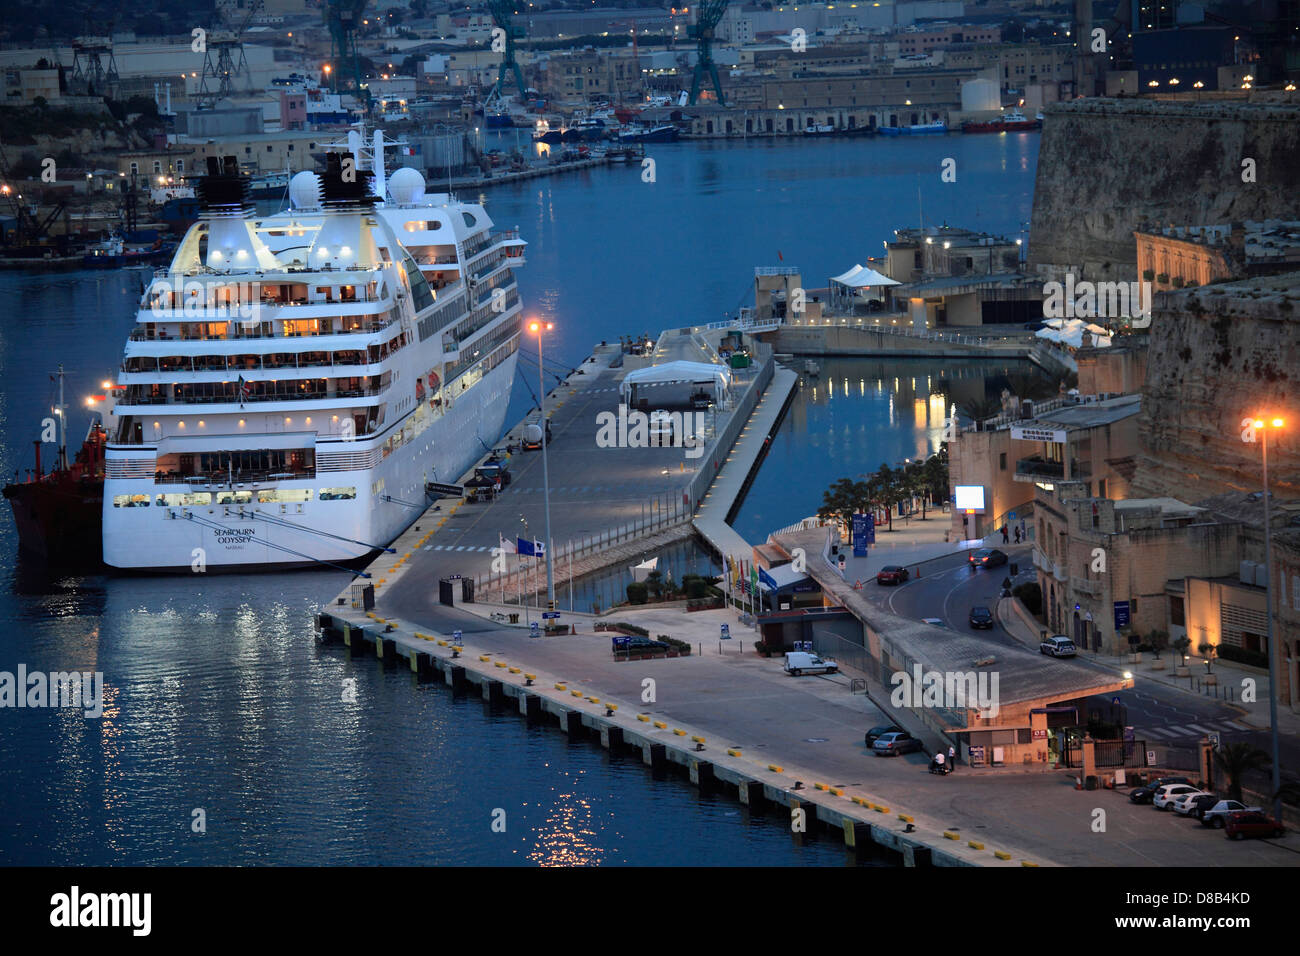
x=537, y=328
x=1262, y=428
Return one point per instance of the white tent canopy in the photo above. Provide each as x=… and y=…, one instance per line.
x=1070, y=332
x=696, y=373
x=860, y=277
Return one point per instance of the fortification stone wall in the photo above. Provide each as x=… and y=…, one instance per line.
x=1218, y=354
x=1107, y=165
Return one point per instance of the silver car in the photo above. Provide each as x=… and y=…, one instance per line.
x=1058, y=646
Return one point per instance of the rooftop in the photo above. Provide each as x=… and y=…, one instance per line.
x=1092, y=414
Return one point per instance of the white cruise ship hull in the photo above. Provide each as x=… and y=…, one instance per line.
x=390, y=497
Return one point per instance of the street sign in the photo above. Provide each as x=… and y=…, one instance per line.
x=1114, y=700
x=726, y=632
x=532, y=629
x=620, y=642
x=1214, y=740
x=1121, y=615
x=860, y=535
x=1011, y=516
x=1151, y=758
x=549, y=615
x=442, y=490
x=455, y=636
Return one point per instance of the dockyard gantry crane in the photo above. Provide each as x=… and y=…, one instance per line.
x=224, y=60
x=94, y=68
x=344, y=19
x=503, y=12
x=707, y=15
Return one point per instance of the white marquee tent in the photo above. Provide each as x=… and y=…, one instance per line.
x=854, y=283
x=717, y=377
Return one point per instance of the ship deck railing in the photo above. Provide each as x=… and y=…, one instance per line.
x=144, y=335
x=299, y=396
x=225, y=480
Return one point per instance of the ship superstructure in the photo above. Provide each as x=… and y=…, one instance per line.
x=293, y=381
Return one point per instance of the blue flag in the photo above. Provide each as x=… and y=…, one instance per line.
x=534, y=548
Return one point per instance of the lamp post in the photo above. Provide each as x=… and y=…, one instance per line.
x=1262, y=428
x=537, y=328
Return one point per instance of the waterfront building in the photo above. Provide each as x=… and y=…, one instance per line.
x=1172, y=257
x=1089, y=439
x=1104, y=565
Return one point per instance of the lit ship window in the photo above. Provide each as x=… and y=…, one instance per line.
x=130, y=501
x=284, y=494
x=181, y=500
x=337, y=494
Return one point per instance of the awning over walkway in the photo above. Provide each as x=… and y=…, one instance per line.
x=860, y=277
x=704, y=374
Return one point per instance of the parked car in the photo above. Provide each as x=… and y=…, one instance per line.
x=980, y=616
x=1251, y=823
x=1058, y=645
x=988, y=558
x=875, y=733
x=892, y=574
x=1217, y=815
x=1166, y=795
x=801, y=662
x=896, y=742
x=1144, y=794
x=1183, y=805
x=1202, y=802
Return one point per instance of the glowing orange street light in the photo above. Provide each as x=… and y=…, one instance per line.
x=537, y=327
x=1277, y=423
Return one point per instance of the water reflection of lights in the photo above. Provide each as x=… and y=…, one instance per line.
x=566, y=837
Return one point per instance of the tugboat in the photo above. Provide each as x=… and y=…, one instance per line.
x=59, y=516
x=1013, y=122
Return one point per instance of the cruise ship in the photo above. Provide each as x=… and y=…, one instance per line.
x=293, y=382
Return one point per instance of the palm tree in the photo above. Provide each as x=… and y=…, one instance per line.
x=1236, y=760
x=980, y=409
x=1029, y=387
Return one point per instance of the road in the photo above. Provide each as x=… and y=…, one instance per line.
x=1156, y=711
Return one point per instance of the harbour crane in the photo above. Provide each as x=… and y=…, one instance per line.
x=344, y=19
x=224, y=60
x=503, y=17
x=707, y=16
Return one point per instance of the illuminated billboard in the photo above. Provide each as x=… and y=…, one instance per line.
x=969, y=498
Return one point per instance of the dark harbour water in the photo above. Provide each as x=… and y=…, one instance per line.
x=217, y=697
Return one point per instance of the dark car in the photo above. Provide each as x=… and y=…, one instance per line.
x=1201, y=803
x=891, y=574
x=988, y=558
x=875, y=733
x=896, y=742
x=1252, y=823
x=1144, y=794
x=981, y=616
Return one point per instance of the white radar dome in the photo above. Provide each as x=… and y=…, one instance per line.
x=304, y=190
x=406, y=186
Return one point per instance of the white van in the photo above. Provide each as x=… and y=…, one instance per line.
x=801, y=662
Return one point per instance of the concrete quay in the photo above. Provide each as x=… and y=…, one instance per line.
x=498, y=671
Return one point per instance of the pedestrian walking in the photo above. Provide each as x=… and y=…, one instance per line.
x=952, y=757
x=1017, y=535
x=1005, y=535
